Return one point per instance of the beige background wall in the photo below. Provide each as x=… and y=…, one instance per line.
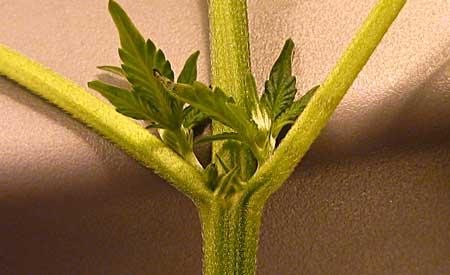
x=371, y=197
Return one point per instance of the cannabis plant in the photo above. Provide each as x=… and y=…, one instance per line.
x=256, y=140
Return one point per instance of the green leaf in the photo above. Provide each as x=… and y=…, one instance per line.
x=255, y=111
x=189, y=72
x=125, y=101
x=236, y=154
x=139, y=59
x=228, y=183
x=162, y=64
x=196, y=120
x=222, y=136
x=180, y=141
x=215, y=104
x=130, y=38
x=280, y=89
x=193, y=117
x=154, y=126
x=211, y=176
x=251, y=95
x=113, y=69
x=290, y=115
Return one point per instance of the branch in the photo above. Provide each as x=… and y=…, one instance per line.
x=122, y=131
x=322, y=105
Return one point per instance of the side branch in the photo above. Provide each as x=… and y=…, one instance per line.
x=317, y=113
x=122, y=131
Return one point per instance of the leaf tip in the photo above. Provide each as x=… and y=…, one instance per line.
x=91, y=84
x=196, y=54
x=290, y=41
x=289, y=45
x=113, y=6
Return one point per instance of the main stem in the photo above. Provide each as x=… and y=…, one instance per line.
x=230, y=237
x=230, y=227
x=230, y=51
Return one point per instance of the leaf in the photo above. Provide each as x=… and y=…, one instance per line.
x=280, y=89
x=230, y=177
x=139, y=59
x=290, y=115
x=193, y=117
x=211, y=176
x=226, y=183
x=189, y=72
x=222, y=136
x=130, y=38
x=236, y=154
x=215, y=104
x=125, y=102
x=161, y=63
x=255, y=111
x=196, y=120
x=180, y=142
x=149, y=88
x=251, y=95
x=112, y=69
x=154, y=126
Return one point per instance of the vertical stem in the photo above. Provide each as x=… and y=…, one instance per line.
x=230, y=227
x=230, y=237
x=230, y=57
x=230, y=53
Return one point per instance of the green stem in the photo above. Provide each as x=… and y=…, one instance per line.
x=230, y=237
x=230, y=53
x=230, y=226
x=226, y=252
x=124, y=132
x=230, y=229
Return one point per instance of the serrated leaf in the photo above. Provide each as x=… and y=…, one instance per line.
x=216, y=105
x=189, y=72
x=162, y=64
x=139, y=59
x=222, y=136
x=193, y=117
x=290, y=115
x=280, y=89
x=125, y=101
x=112, y=69
x=145, y=53
x=179, y=142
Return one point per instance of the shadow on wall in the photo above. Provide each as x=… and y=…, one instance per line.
x=117, y=220
x=406, y=118
x=424, y=117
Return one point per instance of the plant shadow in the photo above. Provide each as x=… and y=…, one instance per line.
x=120, y=208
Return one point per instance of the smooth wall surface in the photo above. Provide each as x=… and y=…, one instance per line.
x=371, y=197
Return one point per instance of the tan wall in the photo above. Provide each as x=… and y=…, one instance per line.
x=371, y=197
